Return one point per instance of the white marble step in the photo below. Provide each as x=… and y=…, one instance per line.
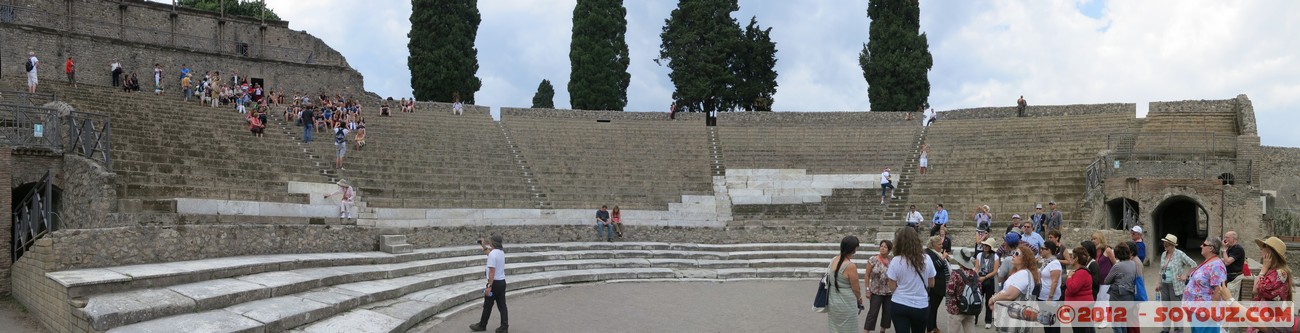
x=111, y=310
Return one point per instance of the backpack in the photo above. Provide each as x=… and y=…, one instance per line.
x=339, y=138
x=970, y=301
x=28, y=65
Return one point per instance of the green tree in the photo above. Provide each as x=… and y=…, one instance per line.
x=896, y=58
x=443, y=59
x=755, y=68
x=698, y=43
x=598, y=56
x=245, y=8
x=545, y=96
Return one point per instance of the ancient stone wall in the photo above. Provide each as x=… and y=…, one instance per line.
x=1040, y=111
x=1229, y=208
x=604, y=115
x=1279, y=168
x=142, y=33
x=1194, y=106
x=6, y=201
x=88, y=193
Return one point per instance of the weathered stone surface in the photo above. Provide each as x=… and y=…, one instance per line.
x=209, y=321
x=281, y=313
x=113, y=310
x=360, y=320
x=219, y=293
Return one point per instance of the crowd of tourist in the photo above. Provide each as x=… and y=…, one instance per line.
x=909, y=278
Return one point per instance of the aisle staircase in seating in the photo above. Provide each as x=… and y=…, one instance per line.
x=166, y=148
x=534, y=189
x=381, y=292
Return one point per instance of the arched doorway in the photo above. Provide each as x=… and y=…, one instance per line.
x=1120, y=209
x=1183, y=217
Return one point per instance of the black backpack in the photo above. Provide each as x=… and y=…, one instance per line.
x=338, y=136
x=969, y=301
x=28, y=64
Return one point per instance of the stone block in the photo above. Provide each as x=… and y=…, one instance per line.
x=113, y=310
x=454, y=214
x=735, y=192
x=513, y=213
x=359, y=320
x=220, y=293
x=400, y=213
x=209, y=321
x=750, y=200
x=282, y=313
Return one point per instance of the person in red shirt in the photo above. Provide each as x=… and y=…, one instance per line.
x=1078, y=288
x=71, y=69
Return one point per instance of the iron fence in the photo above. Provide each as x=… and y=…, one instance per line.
x=90, y=135
x=34, y=216
x=31, y=127
x=1093, y=176
x=1172, y=146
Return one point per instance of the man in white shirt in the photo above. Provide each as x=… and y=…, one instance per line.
x=116, y=70
x=914, y=218
x=886, y=186
x=31, y=73
x=495, y=292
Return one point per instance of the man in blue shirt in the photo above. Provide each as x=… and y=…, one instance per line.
x=940, y=218
x=1136, y=234
x=602, y=224
x=1029, y=236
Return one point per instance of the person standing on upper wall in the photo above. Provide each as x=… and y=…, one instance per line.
x=32, y=65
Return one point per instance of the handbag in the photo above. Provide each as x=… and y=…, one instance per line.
x=822, y=299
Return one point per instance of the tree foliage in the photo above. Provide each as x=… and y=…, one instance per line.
x=716, y=66
x=246, y=8
x=598, y=56
x=443, y=59
x=545, y=96
x=755, y=68
x=896, y=60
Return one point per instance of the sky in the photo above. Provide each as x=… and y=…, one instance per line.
x=986, y=53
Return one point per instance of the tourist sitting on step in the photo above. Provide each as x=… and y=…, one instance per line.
x=347, y=197
x=360, y=138
x=914, y=218
x=256, y=126
x=616, y=217
x=604, y=228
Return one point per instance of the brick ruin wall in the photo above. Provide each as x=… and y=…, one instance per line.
x=141, y=33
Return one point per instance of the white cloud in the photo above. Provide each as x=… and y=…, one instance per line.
x=986, y=52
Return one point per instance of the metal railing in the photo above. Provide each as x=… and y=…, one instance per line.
x=31, y=127
x=1093, y=176
x=90, y=26
x=1171, y=146
x=90, y=135
x=34, y=216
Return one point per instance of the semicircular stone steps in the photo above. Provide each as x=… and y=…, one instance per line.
x=380, y=292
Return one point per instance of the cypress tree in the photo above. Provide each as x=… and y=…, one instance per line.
x=598, y=56
x=896, y=59
x=698, y=43
x=443, y=59
x=755, y=68
x=545, y=96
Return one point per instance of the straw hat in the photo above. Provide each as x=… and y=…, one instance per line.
x=964, y=257
x=1171, y=239
x=344, y=182
x=992, y=243
x=1274, y=243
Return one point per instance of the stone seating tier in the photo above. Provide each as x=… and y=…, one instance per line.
x=824, y=149
x=165, y=147
x=993, y=162
x=635, y=164
x=1211, y=122
x=462, y=161
x=332, y=292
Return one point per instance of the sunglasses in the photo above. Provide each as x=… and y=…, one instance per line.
x=1205, y=245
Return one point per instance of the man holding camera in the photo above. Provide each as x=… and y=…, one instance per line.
x=495, y=291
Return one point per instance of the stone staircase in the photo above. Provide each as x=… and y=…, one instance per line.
x=428, y=159
x=382, y=292
x=851, y=147
x=994, y=162
x=165, y=148
x=633, y=164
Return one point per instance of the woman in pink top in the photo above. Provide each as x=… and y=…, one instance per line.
x=616, y=217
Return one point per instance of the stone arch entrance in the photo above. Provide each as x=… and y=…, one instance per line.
x=1117, y=210
x=1184, y=217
